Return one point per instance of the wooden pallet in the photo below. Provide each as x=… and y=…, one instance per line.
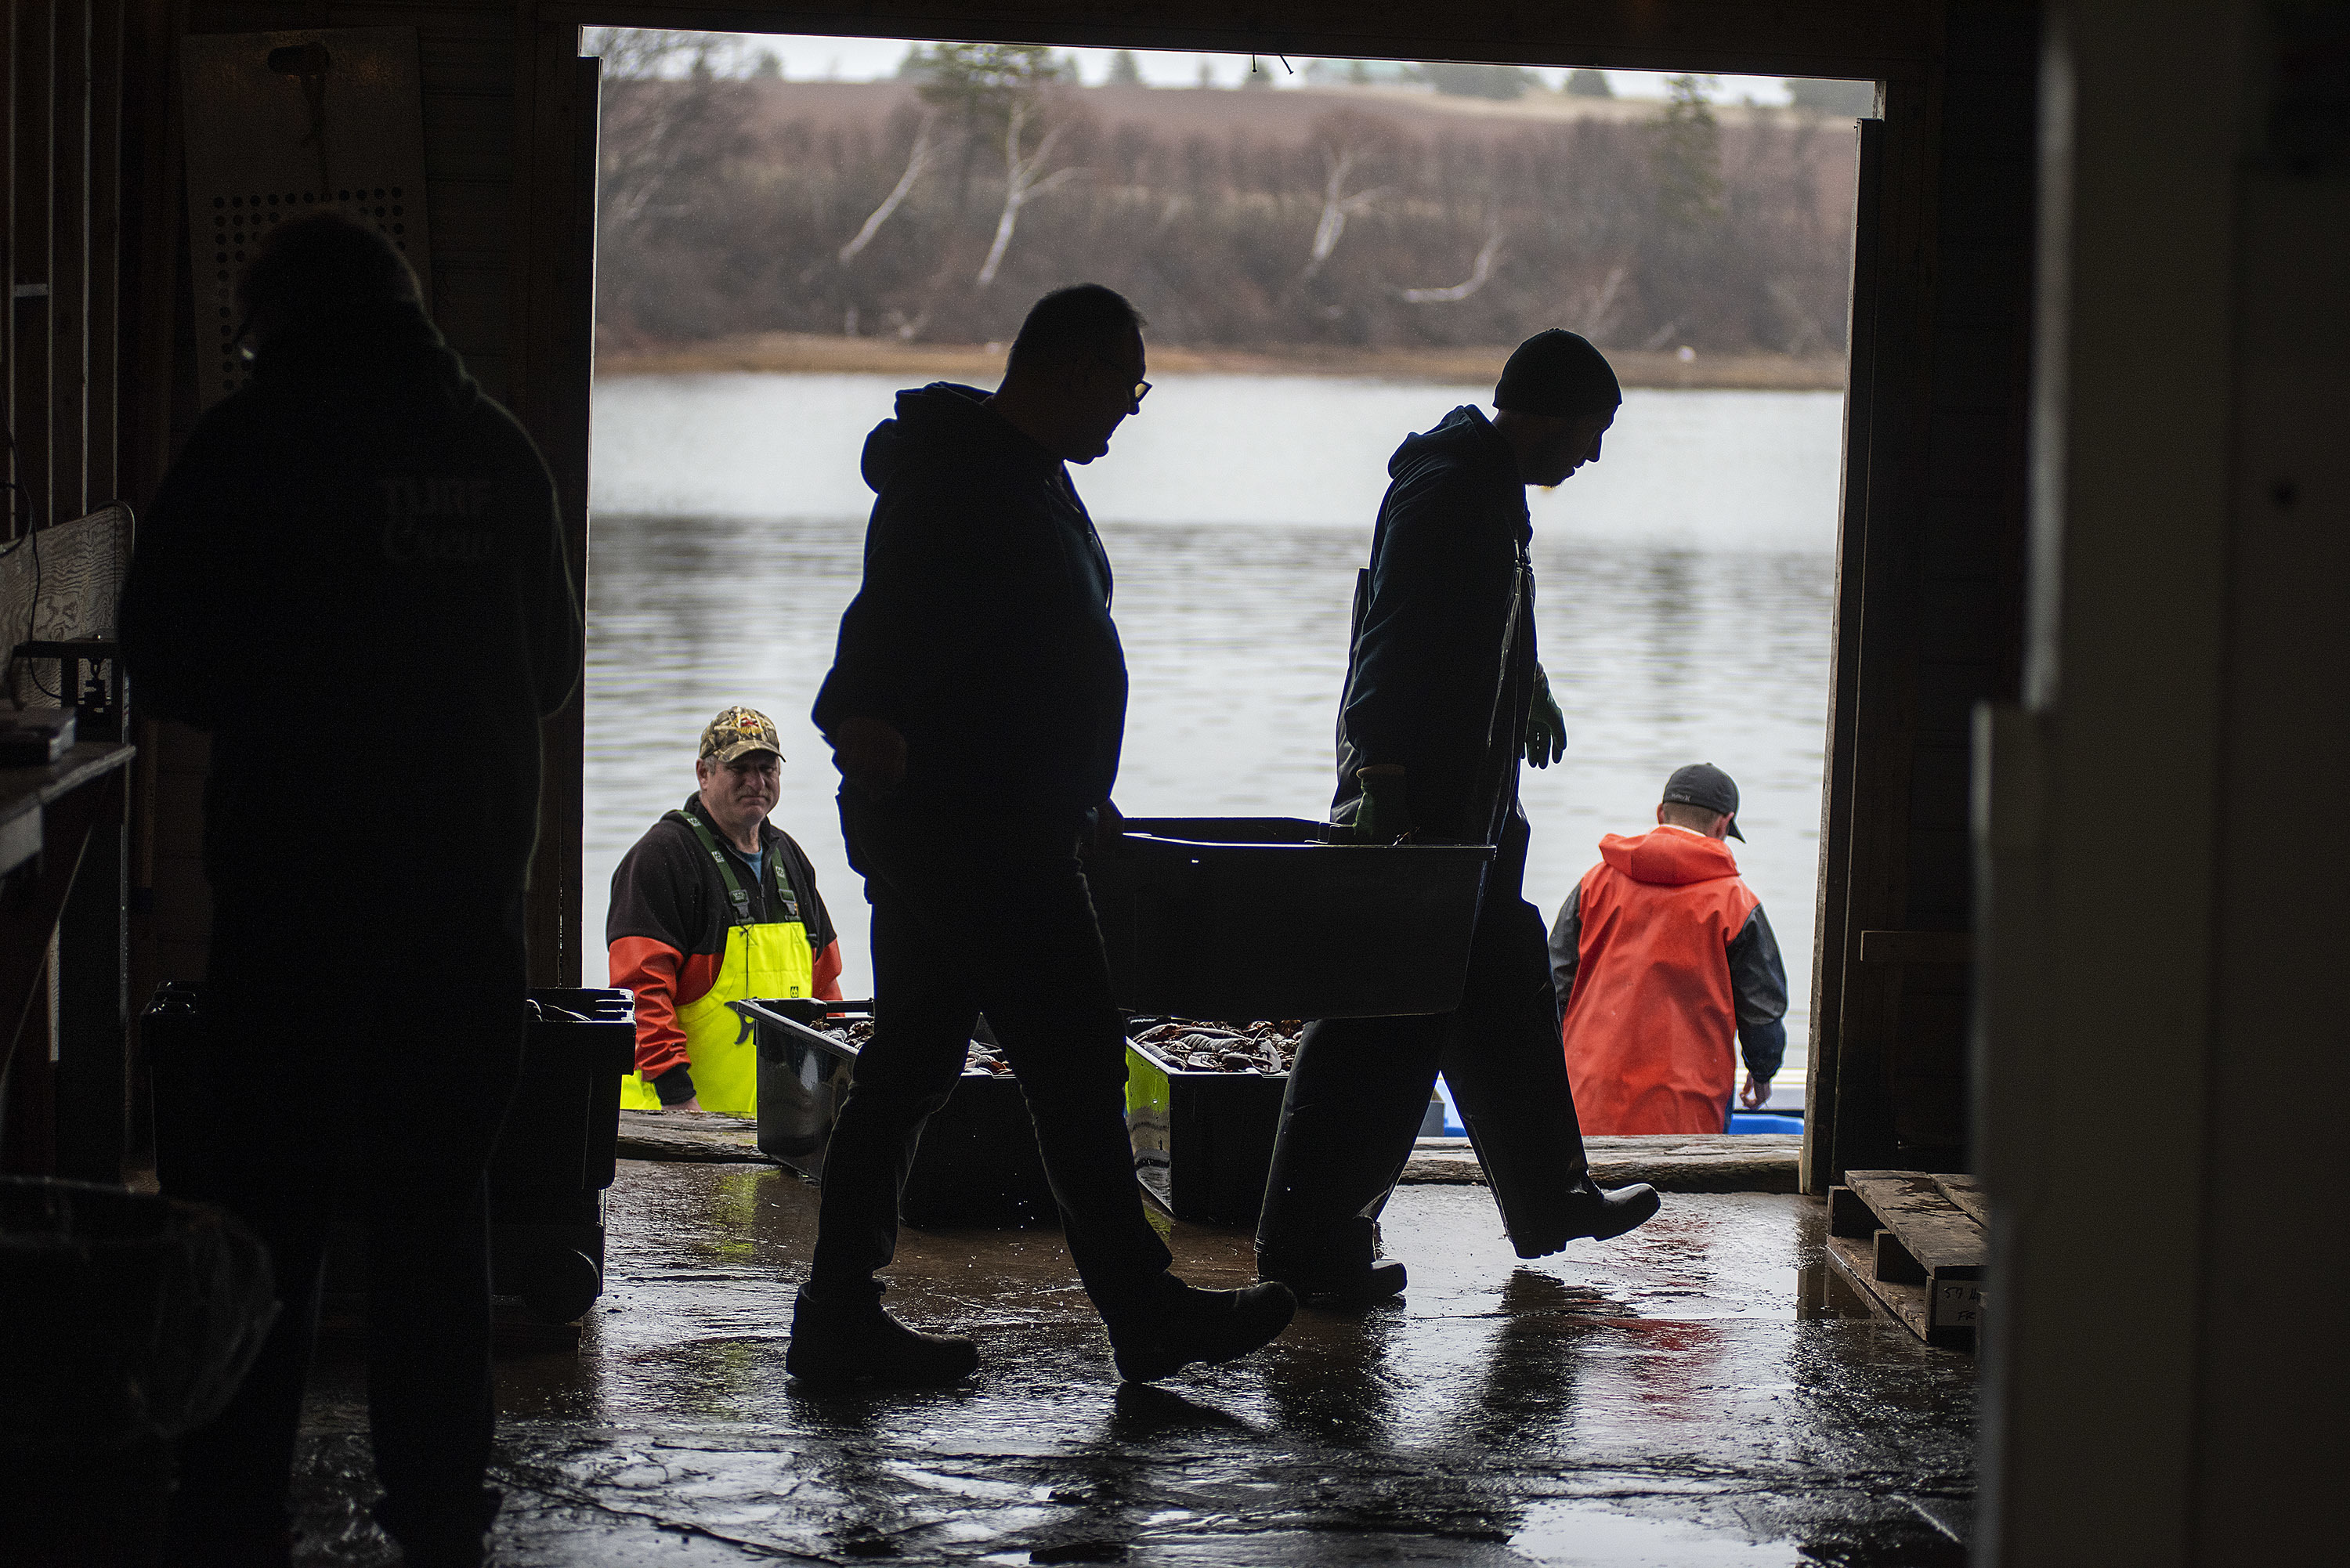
x=1914, y=1244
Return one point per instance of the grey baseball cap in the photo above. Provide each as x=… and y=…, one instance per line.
x=1705, y=785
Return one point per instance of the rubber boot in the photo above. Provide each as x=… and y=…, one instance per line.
x=1383, y=1279
x=838, y=1341
x=1180, y=1326
x=1601, y=1213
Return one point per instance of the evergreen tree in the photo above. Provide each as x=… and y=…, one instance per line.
x=1585, y=82
x=978, y=85
x=1686, y=153
x=1124, y=71
x=1500, y=82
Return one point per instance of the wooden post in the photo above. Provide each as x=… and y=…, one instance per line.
x=1882, y=699
x=552, y=310
x=1836, y=783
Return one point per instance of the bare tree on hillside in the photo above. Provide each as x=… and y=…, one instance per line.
x=1345, y=140
x=1023, y=180
x=916, y=162
x=727, y=206
x=1481, y=272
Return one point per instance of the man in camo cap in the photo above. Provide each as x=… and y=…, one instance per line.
x=715, y=904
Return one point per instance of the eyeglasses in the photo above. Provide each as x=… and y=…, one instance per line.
x=1141, y=388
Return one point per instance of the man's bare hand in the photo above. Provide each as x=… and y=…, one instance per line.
x=690, y=1103
x=1756, y=1091
x=870, y=754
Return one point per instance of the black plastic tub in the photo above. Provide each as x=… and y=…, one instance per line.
x=557, y=1151
x=1202, y=1141
x=977, y=1164
x=1257, y=917
x=555, y=1155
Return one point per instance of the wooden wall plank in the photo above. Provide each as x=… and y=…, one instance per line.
x=8, y=60
x=33, y=180
x=107, y=190
x=70, y=343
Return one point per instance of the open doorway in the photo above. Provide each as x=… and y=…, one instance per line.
x=1332, y=255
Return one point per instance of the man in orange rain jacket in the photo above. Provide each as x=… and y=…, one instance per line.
x=715, y=905
x=1660, y=954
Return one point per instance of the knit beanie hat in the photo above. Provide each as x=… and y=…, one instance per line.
x=1557, y=374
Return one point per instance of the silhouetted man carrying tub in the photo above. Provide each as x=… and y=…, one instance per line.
x=1443, y=695
x=976, y=709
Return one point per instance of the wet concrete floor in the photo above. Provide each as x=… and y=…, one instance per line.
x=1701, y=1392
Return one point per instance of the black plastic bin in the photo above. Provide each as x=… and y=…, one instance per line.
x=554, y=1157
x=557, y=1152
x=1202, y=1141
x=1257, y=917
x=977, y=1164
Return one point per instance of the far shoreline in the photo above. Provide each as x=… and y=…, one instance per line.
x=797, y=353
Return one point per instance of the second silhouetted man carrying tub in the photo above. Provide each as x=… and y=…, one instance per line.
x=976, y=709
x=1443, y=696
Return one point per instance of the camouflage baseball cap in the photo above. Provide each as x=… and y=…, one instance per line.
x=737, y=731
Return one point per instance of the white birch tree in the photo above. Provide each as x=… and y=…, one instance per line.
x=918, y=162
x=1023, y=180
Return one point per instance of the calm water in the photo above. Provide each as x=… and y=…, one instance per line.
x=1686, y=585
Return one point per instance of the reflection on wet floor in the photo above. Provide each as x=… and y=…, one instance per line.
x=1690, y=1394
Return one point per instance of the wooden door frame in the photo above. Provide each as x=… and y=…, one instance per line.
x=1865, y=816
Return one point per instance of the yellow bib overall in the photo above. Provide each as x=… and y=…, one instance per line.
x=768, y=958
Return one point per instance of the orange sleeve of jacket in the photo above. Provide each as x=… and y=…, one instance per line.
x=649, y=969
x=825, y=982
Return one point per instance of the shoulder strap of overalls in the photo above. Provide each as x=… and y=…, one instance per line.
x=787, y=903
x=735, y=892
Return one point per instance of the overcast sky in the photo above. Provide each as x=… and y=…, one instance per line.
x=810, y=59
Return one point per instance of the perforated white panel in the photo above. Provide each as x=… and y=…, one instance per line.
x=265, y=145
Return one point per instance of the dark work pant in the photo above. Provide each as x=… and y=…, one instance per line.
x=359, y=1074
x=991, y=917
x=1361, y=1087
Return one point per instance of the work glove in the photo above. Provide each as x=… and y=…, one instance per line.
x=1545, y=725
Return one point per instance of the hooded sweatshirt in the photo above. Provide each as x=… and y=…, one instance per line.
x=981, y=631
x=1660, y=955
x=354, y=577
x=1429, y=683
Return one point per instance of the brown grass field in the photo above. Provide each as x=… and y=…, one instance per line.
x=807, y=353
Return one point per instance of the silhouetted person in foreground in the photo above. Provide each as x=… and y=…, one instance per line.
x=354, y=578
x=1444, y=694
x=976, y=709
